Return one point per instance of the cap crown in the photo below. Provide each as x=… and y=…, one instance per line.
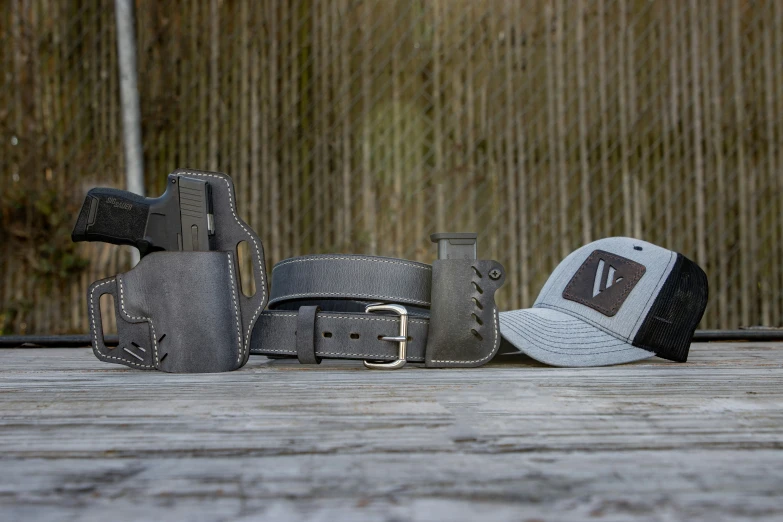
x=611, y=283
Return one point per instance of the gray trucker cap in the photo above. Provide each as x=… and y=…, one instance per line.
x=613, y=301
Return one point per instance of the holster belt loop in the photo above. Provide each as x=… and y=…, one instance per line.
x=305, y=335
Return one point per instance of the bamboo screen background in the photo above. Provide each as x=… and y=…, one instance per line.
x=364, y=126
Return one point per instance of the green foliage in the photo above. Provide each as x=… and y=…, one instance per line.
x=36, y=227
x=11, y=313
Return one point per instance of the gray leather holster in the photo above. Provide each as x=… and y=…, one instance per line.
x=177, y=312
x=318, y=309
x=184, y=312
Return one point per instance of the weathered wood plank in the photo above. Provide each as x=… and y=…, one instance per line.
x=80, y=439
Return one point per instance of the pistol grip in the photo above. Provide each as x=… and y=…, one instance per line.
x=113, y=216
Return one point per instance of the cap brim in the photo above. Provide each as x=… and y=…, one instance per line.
x=559, y=339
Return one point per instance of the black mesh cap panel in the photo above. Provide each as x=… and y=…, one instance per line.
x=668, y=328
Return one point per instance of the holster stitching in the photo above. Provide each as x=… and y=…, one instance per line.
x=255, y=244
x=95, y=330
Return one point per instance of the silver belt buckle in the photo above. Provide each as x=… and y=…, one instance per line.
x=401, y=337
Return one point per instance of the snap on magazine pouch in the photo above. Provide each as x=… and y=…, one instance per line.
x=463, y=329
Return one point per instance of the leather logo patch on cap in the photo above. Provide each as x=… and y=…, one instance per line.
x=603, y=282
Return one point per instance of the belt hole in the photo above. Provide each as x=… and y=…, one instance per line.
x=477, y=272
x=479, y=321
x=327, y=334
x=474, y=332
x=354, y=336
x=477, y=287
x=477, y=303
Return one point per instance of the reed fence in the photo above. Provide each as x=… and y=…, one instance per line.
x=364, y=126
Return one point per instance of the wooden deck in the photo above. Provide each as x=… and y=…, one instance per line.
x=85, y=440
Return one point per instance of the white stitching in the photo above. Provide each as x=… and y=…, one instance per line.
x=318, y=294
x=148, y=319
x=495, y=345
x=95, y=331
x=231, y=282
x=276, y=315
x=289, y=352
x=352, y=258
x=255, y=244
x=152, y=326
x=350, y=294
x=364, y=355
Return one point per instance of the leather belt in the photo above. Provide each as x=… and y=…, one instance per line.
x=380, y=309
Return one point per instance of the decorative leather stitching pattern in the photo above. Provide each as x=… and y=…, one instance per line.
x=149, y=320
x=495, y=342
x=421, y=266
x=152, y=325
x=289, y=352
x=340, y=294
x=276, y=315
x=231, y=284
x=253, y=239
x=95, y=331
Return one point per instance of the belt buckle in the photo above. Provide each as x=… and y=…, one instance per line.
x=401, y=337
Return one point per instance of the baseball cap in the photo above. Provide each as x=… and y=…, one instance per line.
x=613, y=301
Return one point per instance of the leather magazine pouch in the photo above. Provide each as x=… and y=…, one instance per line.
x=463, y=330
x=178, y=312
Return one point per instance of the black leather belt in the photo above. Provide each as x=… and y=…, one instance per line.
x=385, y=311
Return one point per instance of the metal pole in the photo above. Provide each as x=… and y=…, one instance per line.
x=129, y=99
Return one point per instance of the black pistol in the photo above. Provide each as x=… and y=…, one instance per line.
x=180, y=219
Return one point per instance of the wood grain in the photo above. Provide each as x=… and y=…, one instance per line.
x=516, y=440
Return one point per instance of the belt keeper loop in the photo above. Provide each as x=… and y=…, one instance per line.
x=305, y=335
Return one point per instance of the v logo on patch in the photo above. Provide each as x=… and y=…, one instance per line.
x=600, y=284
x=603, y=282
